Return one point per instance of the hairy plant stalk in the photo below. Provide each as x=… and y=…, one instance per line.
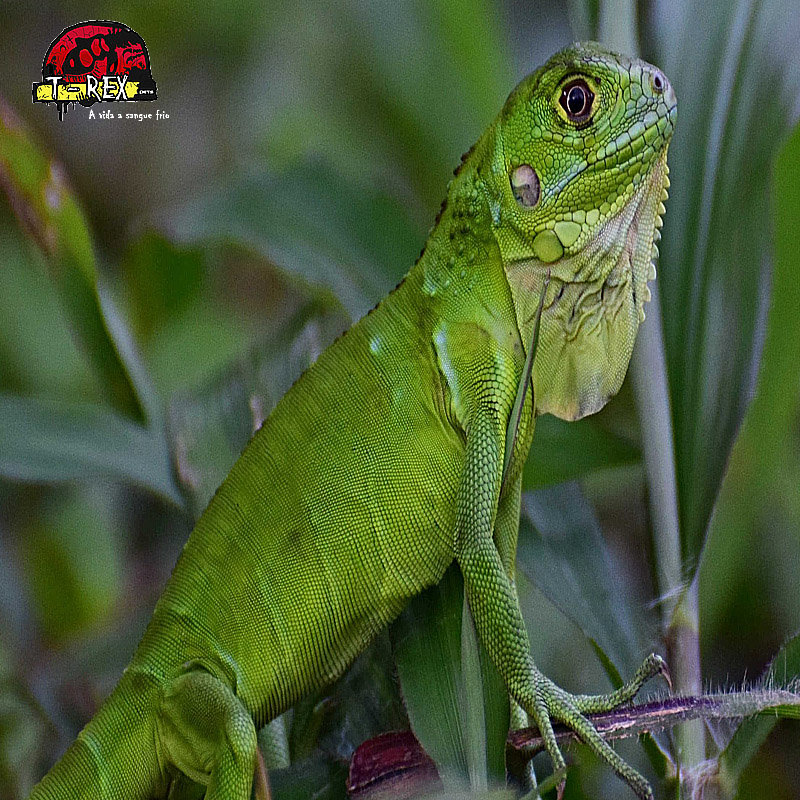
x=657, y=715
x=683, y=650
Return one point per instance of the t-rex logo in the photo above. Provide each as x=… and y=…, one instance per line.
x=95, y=61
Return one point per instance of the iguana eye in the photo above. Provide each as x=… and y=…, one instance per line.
x=576, y=99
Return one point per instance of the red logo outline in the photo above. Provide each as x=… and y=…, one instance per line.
x=95, y=61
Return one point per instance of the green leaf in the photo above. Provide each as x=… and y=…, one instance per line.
x=46, y=441
x=73, y=562
x=49, y=212
x=456, y=703
x=160, y=279
x=394, y=119
x=715, y=254
x=563, y=451
x=312, y=223
x=38, y=354
x=751, y=734
x=562, y=550
x=765, y=453
x=210, y=427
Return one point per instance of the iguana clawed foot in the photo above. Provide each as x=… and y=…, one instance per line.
x=553, y=703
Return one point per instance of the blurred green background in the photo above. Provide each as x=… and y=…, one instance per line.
x=307, y=150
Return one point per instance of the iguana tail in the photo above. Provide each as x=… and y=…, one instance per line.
x=114, y=756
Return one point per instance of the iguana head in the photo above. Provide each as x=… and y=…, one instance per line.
x=579, y=176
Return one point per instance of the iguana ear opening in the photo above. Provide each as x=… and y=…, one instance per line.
x=525, y=186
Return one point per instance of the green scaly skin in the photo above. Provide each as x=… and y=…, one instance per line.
x=384, y=462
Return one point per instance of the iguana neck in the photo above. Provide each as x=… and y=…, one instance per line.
x=594, y=302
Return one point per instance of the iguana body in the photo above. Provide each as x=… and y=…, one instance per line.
x=384, y=462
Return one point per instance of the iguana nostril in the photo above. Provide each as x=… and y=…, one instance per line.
x=658, y=82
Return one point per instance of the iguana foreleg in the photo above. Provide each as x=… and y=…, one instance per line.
x=494, y=604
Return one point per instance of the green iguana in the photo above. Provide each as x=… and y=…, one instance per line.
x=398, y=452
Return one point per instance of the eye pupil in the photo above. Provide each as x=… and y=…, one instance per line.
x=576, y=99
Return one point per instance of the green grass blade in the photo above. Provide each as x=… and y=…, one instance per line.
x=456, y=702
x=427, y=643
x=760, y=473
x=512, y=427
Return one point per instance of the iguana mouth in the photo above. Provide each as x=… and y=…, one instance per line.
x=653, y=132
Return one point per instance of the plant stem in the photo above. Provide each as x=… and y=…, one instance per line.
x=651, y=390
x=616, y=26
x=617, y=29
x=683, y=650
